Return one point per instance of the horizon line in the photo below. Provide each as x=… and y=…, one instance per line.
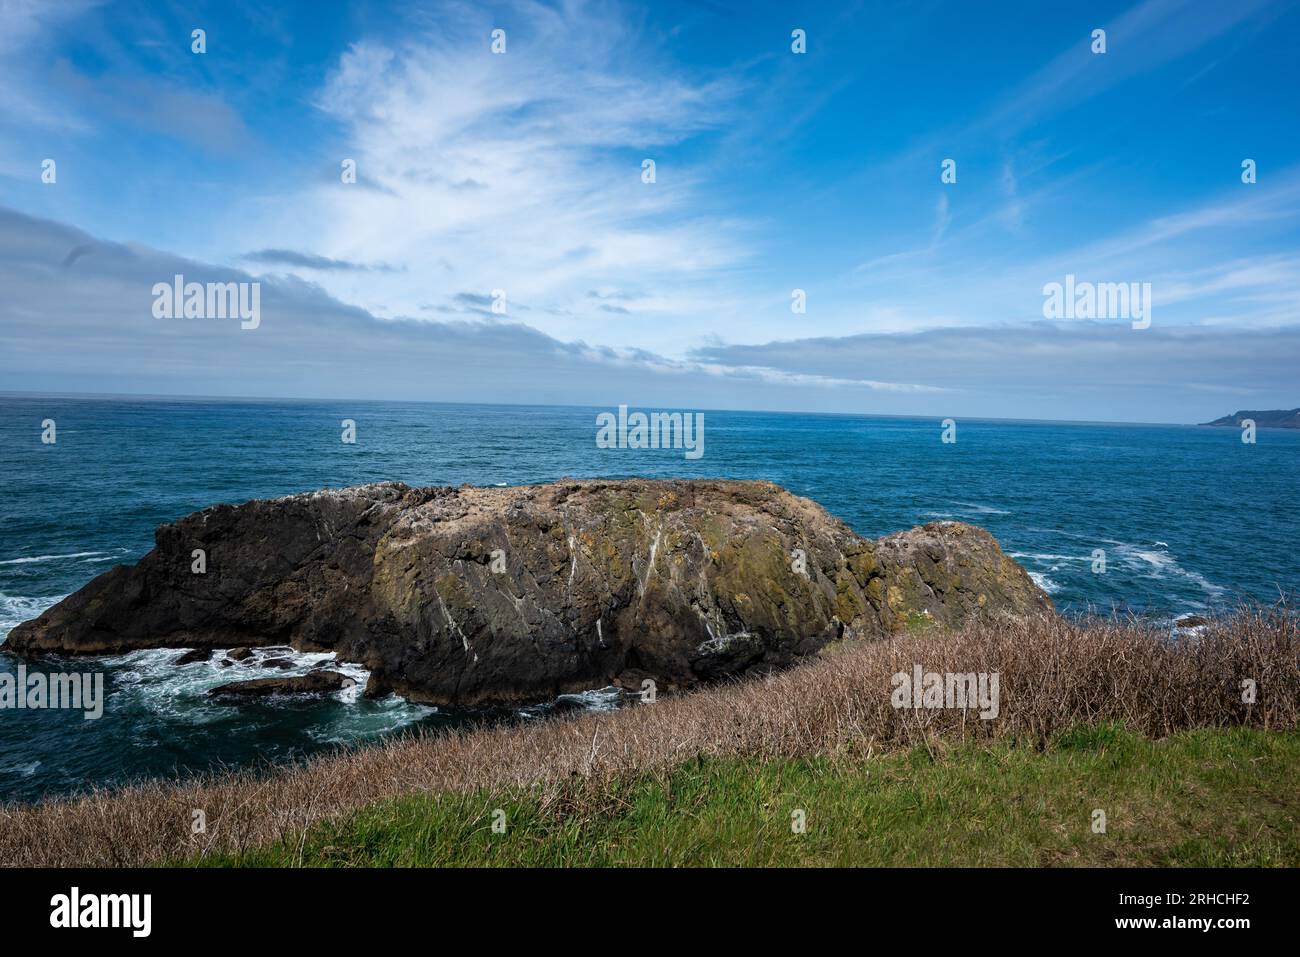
x=151, y=396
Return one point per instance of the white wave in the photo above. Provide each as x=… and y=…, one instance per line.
x=15, y=609
x=1160, y=560
x=180, y=692
x=593, y=699
x=382, y=717
x=48, y=558
x=1205, y=584
x=1045, y=583
x=982, y=509
x=150, y=680
x=1159, y=564
x=23, y=770
x=1155, y=562
x=596, y=699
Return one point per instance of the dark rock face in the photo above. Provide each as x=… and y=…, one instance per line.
x=317, y=682
x=470, y=596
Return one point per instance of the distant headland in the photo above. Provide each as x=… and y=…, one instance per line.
x=1266, y=419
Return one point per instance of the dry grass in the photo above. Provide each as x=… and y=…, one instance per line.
x=1054, y=674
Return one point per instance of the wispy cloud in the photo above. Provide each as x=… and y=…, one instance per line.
x=1142, y=39
x=300, y=260
x=522, y=171
x=1181, y=254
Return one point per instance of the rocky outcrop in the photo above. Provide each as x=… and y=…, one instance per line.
x=194, y=657
x=470, y=596
x=317, y=682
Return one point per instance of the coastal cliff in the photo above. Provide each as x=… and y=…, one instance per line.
x=473, y=596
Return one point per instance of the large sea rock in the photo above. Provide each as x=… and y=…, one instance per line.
x=473, y=596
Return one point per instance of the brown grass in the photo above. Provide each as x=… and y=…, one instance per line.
x=1054, y=674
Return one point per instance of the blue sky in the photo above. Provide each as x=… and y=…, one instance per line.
x=774, y=171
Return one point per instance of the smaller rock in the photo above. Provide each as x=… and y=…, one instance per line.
x=190, y=657
x=284, y=664
x=318, y=682
x=1191, y=621
x=239, y=654
x=226, y=663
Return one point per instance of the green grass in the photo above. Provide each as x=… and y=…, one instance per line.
x=1201, y=798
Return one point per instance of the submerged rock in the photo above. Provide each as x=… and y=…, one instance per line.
x=192, y=657
x=317, y=682
x=473, y=596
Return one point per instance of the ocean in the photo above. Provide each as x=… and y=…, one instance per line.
x=1190, y=520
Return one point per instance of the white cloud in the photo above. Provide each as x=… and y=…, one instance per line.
x=519, y=172
x=959, y=282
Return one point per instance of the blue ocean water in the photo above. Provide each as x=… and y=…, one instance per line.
x=1190, y=519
